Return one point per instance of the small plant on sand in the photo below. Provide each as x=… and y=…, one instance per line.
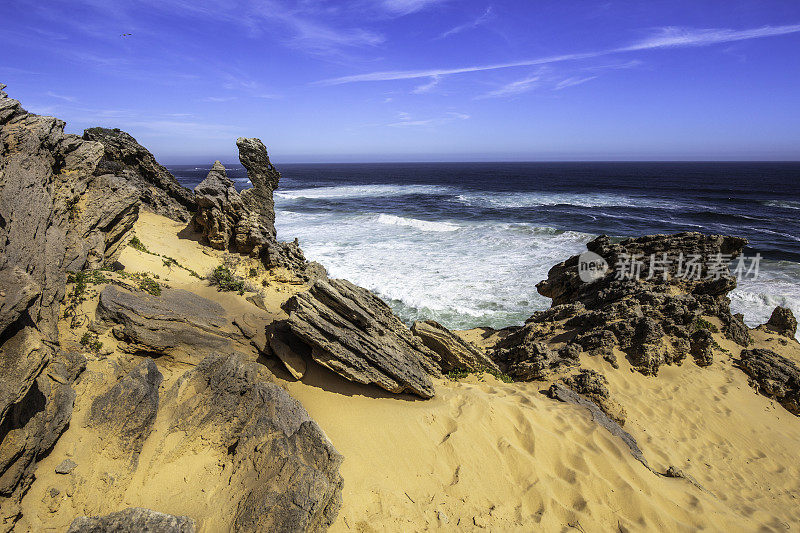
x=702, y=323
x=149, y=285
x=461, y=373
x=225, y=280
x=457, y=373
x=136, y=244
x=89, y=340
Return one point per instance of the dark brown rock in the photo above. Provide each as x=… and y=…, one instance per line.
x=773, y=376
x=702, y=346
x=354, y=333
x=594, y=386
x=158, y=189
x=133, y=519
x=525, y=358
x=782, y=322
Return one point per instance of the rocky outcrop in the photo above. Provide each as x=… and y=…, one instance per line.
x=524, y=358
x=650, y=316
x=158, y=189
x=58, y=213
x=245, y=222
x=352, y=332
x=126, y=412
x=594, y=386
x=774, y=376
x=782, y=322
x=133, y=519
x=177, y=323
x=455, y=352
x=281, y=462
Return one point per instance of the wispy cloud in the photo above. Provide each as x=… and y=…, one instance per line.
x=665, y=38
x=480, y=21
x=406, y=120
x=427, y=87
x=572, y=82
x=66, y=98
x=515, y=87
x=218, y=99
x=406, y=7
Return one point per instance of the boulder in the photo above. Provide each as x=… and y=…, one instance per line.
x=219, y=208
x=455, y=352
x=133, y=519
x=774, y=376
x=782, y=322
x=702, y=347
x=281, y=463
x=158, y=190
x=178, y=323
x=58, y=213
x=352, y=332
x=127, y=411
x=524, y=357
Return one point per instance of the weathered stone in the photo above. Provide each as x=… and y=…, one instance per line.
x=594, y=386
x=455, y=352
x=57, y=213
x=157, y=188
x=133, y=519
x=782, y=322
x=219, y=209
x=702, y=347
x=177, y=323
x=524, y=358
x=355, y=334
x=126, y=412
x=564, y=394
x=773, y=376
x=282, y=462
x=66, y=466
x=264, y=177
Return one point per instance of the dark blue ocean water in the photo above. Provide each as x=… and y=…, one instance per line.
x=466, y=242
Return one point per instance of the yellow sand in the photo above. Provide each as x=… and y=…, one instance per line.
x=482, y=453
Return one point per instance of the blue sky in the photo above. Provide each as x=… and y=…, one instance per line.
x=413, y=80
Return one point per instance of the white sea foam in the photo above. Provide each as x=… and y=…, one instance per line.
x=360, y=191
x=787, y=204
x=534, y=199
x=424, y=225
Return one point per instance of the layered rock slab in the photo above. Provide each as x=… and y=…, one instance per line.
x=352, y=332
x=133, y=519
x=455, y=352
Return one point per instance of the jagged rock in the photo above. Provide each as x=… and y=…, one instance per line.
x=158, y=189
x=524, y=358
x=133, y=519
x=127, y=411
x=354, y=333
x=57, y=213
x=736, y=330
x=649, y=318
x=292, y=354
x=66, y=466
x=455, y=352
x=177, y=323
x=264, y=177
x=219, y=208
x=594, y=386
x=773, y=376
x=564, y=394
x=782, y=322
x=703, y=347
x=285, y=467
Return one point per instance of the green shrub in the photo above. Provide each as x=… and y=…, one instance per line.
x=225, y=280
x=136, y=244
x=89, y=340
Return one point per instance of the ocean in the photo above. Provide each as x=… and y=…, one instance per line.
x=466, y=243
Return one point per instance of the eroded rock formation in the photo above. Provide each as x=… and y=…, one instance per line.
x=59, y=211
x=354, y=333
x=773, y=376
x=158, y=189
x=133, y=519
x=455, y=352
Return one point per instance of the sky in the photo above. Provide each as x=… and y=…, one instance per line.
x=416, y=80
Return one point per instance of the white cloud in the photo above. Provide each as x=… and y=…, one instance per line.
x=572, y=81
x=405, y=120
x=427, y=87
x=515, y=87
x=406, y=7
x=665, y=38
x=481, y=20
